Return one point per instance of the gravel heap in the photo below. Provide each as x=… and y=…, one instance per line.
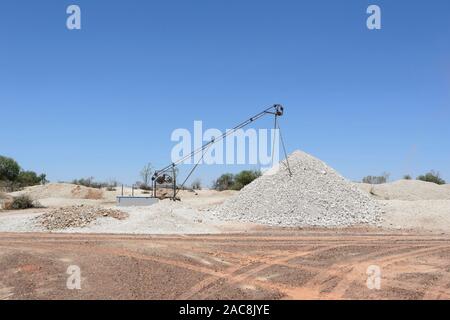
x=76, y=216
x=315, y=195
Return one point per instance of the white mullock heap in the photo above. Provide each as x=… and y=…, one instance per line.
x=315, y=195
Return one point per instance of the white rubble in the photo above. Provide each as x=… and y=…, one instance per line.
x=315, y=195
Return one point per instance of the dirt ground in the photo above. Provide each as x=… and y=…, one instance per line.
x=265, y=264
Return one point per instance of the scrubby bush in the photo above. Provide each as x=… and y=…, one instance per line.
x=90, y=183
x=86, y=182
x=376, y=179
x=10, y=186
x=244, y=178
x=229, y=181
x=432, y=176
x=111, y=185
x=28, y=178
x=224, y=182
x=23, y=202
x=13, y=178
x=143, y=186
x=407, y=177
x=196, y=184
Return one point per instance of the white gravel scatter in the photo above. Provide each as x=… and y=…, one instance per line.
x=166, y=217
x=20, y=223
x=315, y=195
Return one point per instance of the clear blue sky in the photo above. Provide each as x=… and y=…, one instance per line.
x=103, y=101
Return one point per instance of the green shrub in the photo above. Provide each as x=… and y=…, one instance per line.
x=13, y=178
x=9, y=169
x=43, y=178
x=407, y=177
x=23, y=202
x=433, y=177
x=229, y=181
x=224, y=182
x=28, y=178
x=244, y=178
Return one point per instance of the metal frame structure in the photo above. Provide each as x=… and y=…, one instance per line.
x=168, y=174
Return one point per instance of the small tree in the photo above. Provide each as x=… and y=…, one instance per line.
x=229, y=181
x=407, y=177
x=43, y=179
x=86, y=182
x=111, y=185
x=197, y=184
x=146, y=174
x=9, y=169
x=28, y=178
x=433, y=177
x=244, y=178
x=224, y=182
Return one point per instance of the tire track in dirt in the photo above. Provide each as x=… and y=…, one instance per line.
x=248, y=276
x=242, y=261
x=360, y=268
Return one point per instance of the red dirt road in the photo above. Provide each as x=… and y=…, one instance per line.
x=272, y=264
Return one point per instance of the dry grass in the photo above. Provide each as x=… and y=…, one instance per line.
x=94, y=194
x=4, y=203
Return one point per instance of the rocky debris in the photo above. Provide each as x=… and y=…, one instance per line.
x=76, y=216
x=315, y=195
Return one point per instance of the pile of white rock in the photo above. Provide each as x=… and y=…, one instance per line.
x=315, y=195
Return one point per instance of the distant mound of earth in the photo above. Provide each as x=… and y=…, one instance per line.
x=409, y=190
x=61, y=190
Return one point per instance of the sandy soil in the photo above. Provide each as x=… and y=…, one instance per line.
x=269, y=264
x=190, y=216
x=65, y=194
x=166, y=217
x=411, y=205
x=61, y=191
x=409, y=190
